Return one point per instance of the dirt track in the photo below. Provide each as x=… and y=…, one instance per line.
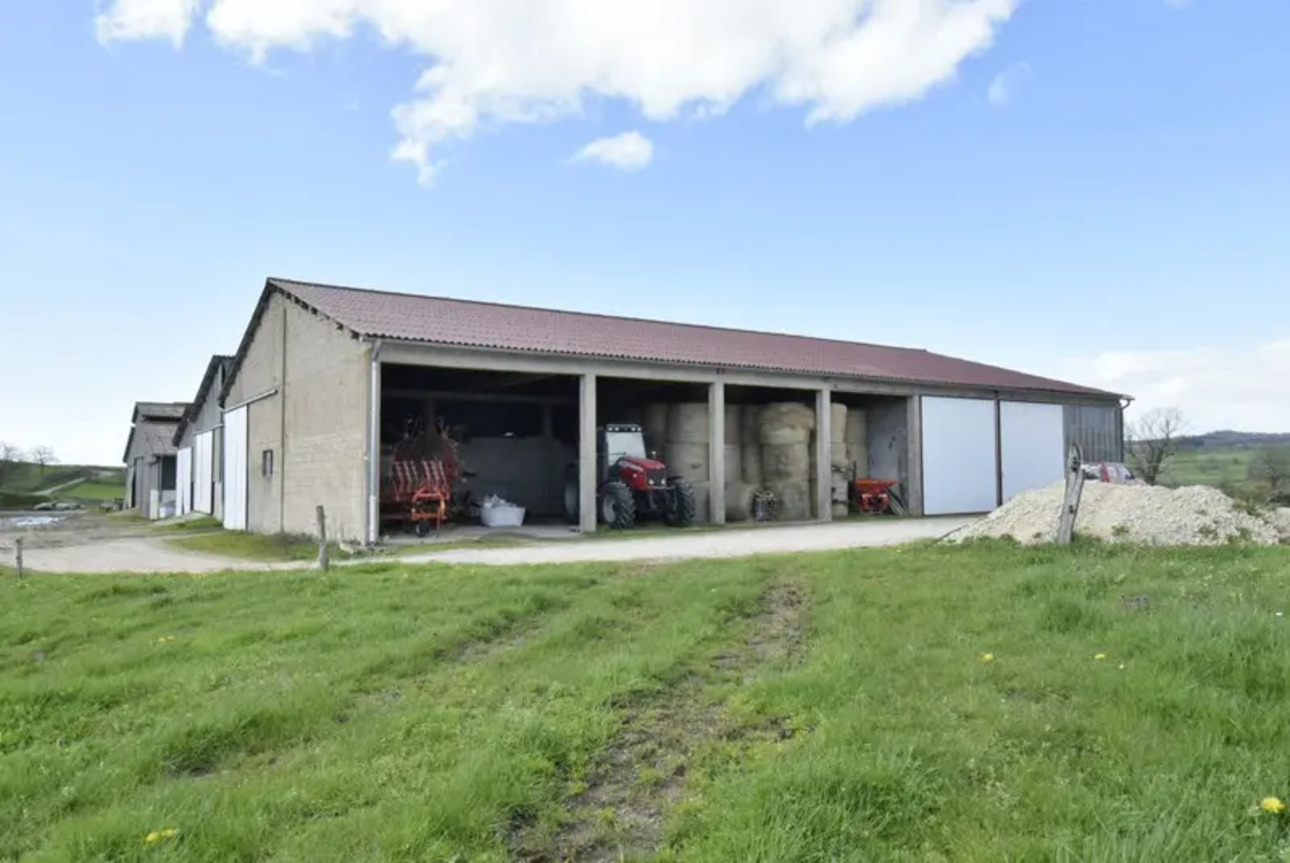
x=95, y=549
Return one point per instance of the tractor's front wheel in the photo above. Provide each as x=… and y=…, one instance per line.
x=572, y=494
x=617, y=506
x=680, y=504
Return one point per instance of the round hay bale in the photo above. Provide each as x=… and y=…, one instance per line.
x=750, y=461
x=794, y=499
x=838, y=489
x=734, y=462
x=786, y=423
x=857, y=426
x=750, y=424
x=654, y=426
x=702, y=502
x=687, y=460
x=687, y=423
x=785, y=462
x=739, y=502
x=837, y=423
x=841, y=510
x=858, y=455
x=734, y=423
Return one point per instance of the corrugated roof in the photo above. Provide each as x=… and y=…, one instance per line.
x=160, y=410
x=445, y=321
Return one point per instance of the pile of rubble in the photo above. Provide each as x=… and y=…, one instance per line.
x=1150, y=515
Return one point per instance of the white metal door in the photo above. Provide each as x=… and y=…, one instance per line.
x=1034, y=442
x=960, y=469
x=235, y=469
x=184, y=481
x=203, y=458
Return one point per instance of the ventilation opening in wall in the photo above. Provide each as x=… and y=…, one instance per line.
x=266, y=463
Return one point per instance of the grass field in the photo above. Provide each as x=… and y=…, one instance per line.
x=92, y=491
x=270, y=548
x=984, y=703
x=1222, y=469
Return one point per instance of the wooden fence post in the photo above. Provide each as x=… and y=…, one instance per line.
x=323, y=559
x=17, y=548
x=1070, y=502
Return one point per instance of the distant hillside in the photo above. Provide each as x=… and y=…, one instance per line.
x=1228, y=440
x=26, y=484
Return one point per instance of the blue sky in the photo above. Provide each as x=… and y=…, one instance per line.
x=1091, y=190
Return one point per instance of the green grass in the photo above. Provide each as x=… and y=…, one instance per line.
x=1219, y=468
x=92, y=491
x=204, y=522
x=269, y=548
x=813, y=708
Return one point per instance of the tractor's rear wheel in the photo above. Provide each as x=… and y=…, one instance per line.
x=617, y=506
x=572, y=494
x=680, y=504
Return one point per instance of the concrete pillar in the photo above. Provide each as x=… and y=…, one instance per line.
x=914, y=441
x=823, y=455
x=717, y=451
x=587, y=477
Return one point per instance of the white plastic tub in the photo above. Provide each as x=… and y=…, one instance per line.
x=501, y=516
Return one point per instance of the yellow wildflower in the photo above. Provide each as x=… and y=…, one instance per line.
x=154, y=836
x=987, y=657
x=1100, y=656
x=157, y=835
x=1272, y=805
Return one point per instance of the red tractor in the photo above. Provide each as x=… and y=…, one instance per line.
x=630, y=484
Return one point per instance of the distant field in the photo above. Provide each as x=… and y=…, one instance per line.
x=1206, y=467
x=981, y=703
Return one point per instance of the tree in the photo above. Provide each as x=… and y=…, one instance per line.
x=10, y=456
x=1270, y=466
x=43, y=456
x=1151, y=440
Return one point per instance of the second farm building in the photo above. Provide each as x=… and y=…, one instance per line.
x=329, y=382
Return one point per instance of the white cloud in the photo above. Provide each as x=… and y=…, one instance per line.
x=516, y=61
x=629, y=151
x=1216, y=387
x=146, y=19
x=1005, y=84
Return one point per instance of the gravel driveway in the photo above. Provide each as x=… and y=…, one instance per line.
x=148, y=554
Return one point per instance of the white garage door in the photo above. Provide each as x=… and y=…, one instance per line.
x=959, y=459
x=203, y=479
x=184, y=481
x=235, y=469
x=1033, y=437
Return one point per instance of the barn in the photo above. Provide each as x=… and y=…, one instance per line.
x=151, y=470
x=328, y=381
x=198, y=441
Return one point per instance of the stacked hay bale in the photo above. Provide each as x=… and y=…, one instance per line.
x=857, y=441
x=654, y=427
x=784, y=432
x=738, y=494
x=841, y=466
x=686, y=451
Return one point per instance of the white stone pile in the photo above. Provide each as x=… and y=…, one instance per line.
x=1149, y=515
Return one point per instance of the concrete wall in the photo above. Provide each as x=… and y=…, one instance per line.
x=1097, y=429
x=315, y=424
x=528, y=471
x=150, y=490
x=888, y=422
x=325, y=460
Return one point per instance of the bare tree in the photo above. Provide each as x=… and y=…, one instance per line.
x=1149, y=442
x=10, y=456
x=1270, y=466
x=43, y=456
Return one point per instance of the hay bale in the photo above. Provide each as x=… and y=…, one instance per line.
x=857, y=426
x=785, y=462
x=785, y=423
x=702, y=502
x=794, y=499
x=687, y=460
x=738, y=502
x=750, y=424
x=750, y=461
x=687, y=423
x=734, y=424
x=654, y=426
x=837, y=423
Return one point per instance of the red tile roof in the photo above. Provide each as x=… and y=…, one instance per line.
x=464, y=323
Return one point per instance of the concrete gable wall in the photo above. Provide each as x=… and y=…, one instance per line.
x=315, y=424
